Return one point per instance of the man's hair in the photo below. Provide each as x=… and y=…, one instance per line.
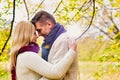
x=42, y=17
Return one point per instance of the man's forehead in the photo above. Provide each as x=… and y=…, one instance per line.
x=39, y=24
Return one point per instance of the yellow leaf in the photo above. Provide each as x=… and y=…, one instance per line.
x=117, y=14
x=118, y=1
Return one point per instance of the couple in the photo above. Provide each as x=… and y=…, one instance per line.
x=59, y=57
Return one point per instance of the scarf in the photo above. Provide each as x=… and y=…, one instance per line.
x=49, y=40
x=33, y=47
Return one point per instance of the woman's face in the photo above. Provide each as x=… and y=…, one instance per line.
x=35, y=36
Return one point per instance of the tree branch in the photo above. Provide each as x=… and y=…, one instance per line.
x=79, y=10
x=90, y=21
x=116, y=29
x=87, y=7
x=57, y=6
x=10, y=28
x=26, y=8
x=108, y=7
x=104, y=32
x=37, y=8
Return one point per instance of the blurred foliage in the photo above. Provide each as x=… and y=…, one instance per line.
x=67, y=10
x=115, y=3
x=3, y=36
x=107, y=68
x=89, y=48
x=6, y=12
x=112, y=51
x=111, y=56
x=4, y=74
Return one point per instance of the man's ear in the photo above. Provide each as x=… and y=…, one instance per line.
x=49, y=24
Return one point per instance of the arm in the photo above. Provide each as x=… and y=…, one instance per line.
x=59, y=49
x=54, y=71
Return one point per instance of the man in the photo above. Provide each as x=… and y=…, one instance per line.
x=55, y=42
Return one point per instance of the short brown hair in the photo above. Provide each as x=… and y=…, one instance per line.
x=42, y=17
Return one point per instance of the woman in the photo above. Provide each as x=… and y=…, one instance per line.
x=26, y=64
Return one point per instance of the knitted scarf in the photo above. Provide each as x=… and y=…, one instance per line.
x=49, y=40
x=33, y=47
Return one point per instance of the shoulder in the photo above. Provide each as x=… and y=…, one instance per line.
x=29, y=58
x=62, y=37
x=27, y=55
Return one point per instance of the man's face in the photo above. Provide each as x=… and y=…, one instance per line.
x=43, y=29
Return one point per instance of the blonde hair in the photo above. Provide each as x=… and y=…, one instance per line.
x=22, y=35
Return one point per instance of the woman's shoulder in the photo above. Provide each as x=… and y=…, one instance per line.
x=29, y=58
x=27, y=55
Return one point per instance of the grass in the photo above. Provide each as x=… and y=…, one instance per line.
x=99, y=71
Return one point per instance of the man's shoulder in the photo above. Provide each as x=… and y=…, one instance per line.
x=62, y=39
x=63, y=36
